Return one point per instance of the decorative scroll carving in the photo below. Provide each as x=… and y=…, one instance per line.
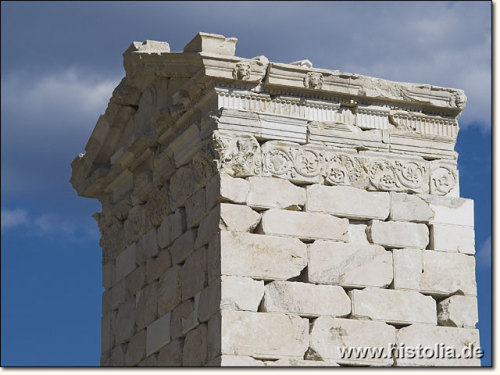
x=313, y=80
x=240, y=157
x=242, y=71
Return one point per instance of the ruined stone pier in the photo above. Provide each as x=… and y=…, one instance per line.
x=267, y=214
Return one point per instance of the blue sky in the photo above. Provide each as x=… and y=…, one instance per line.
x=60, y=62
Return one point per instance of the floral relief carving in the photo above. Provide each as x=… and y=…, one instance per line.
x=314, y=164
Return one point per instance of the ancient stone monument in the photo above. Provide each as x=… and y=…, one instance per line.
x=268, y=214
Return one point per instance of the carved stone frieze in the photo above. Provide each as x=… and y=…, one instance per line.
x=242, y=71
x=313, y=80
x=241, y=156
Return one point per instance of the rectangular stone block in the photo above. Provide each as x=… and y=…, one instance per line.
x=357, y=233
x=349, y=265
x=305, y=225
x=209, y=302
x=136, y=349
x=147, y=246
x=264, y=335
x=437, y=343
x=125, y=262
x=306, y=299
x=434, y=272
x=458, y=311
x=393, y=306
x=450, y=210
x=183, y=319
x=409, y=207
x=238, y=218
x=171, y=227
x=348, y=201
x=146, y=305
x=208, y=227
x=270, y=192
x=224, y=188
x=195, y=208
x=123, y=325
x=398, y=234
x=157, y=265
x=136, y=280
x=448, y=273
x=194, y=273
x=261, y=257
x=331, y=339
x=183, y=246
x=169, y=290
x=453, y=238
x=158, y=334
x=195, y=347
x=171, y=354
x=241, y=293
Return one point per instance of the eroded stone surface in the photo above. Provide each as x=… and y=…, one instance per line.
x=241, y=293
x=398, y=234
x=269, y=192
x=349, y=265
x=238, y=218
x=393, y=306
x=306, y=299
x=453, y=238
x=458, y=311
x=409, y=207
x=264, y=335
x=331, y=335
x=305, y=225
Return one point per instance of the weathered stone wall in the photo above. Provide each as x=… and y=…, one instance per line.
x=263, y=214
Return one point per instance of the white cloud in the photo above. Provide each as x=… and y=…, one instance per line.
x=13, y=218
x=483, y=256
x=48, y=225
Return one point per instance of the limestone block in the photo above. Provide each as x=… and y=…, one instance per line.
x=117, y=356
x=184, y=318
x=147, y=246
x=224, y=188
x=349, y=265
x=194, y=273
x=146, y=305
x=171, y=354
x=106, y=300
x=235, y=361
x=393, y=306
x=305, y=225
x=241, y=293
x=450, y=210
x=398, y=234
x=136, y=349
x=183, y=246
x=434, y=272
x=208, y=227
x=306, y=299
x=169, y=290
x=172, y=227
x=125, y=262
x=407, y=268
x=447, y=273
x=118, y=294
x=238, y=218
x=108, y=277
x=123, y=325
x=212, y=44
x=209, y=302
x=158, y=334
x=435, y=343
x=458, y=311
x=107, y=337
x=292, y=362
x=214, y=332
x=157, y=265
x=135, y=280
x=269, y=192
x=409, y=207
x=261, y=257
x=453, y=238
x=357, y=233
x=195, y=208
x=348, y=201
x=330, y=336
x=151, y=361
x=195, y=347
x=264, y=335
